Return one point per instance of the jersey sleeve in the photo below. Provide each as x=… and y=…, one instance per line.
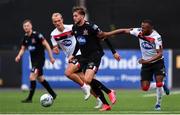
x=135, y=31
x=53, y=41
x=41, y=37
x=158, y=42
x=95, y=29
x=24, y=42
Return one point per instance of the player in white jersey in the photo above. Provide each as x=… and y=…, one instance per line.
x=152, y=57
x=62, y=36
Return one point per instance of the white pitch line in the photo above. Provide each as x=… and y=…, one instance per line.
x=154, y=94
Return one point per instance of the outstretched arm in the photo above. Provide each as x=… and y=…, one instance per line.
x=114, y=32
x=21, y=52
x=45, y=43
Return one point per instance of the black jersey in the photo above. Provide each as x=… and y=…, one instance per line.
x=88, y=41
x=34, y=44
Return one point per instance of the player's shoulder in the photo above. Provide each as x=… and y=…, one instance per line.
x=54, y=32
x=136, y=29
x=156, y=36
x=68, y=26
x=92, y=25
x=156, y=33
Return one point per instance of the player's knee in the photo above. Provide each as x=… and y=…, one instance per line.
x=68, y=73
x=40, y=79
x=145, y=88
x=159, y=84
x=88, y=81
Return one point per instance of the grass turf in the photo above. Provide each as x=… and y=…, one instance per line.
x=71, y=102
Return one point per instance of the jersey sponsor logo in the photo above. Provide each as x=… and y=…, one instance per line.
x=66, y=42
x=147, y=45
x=31, y=48
x=81, y=40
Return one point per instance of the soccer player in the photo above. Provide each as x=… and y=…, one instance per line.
x=91, y=52
x=62, y=36
x=35, y=43
x=152, y=61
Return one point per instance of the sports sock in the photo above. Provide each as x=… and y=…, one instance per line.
x=159, y=94
x=48, y=88
x=152, y=85
x=32, y=89
x=98, y=91
x=102, y=86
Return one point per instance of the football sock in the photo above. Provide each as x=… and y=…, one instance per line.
x=48, y=88
x=159, y=94
x=32, y=89
x=152, y=85
x=98, y=91
x=102, y=86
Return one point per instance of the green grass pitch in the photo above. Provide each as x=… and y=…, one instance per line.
x=71, y=102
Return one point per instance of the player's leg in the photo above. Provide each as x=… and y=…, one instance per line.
x=146, y=77
x=159, y=71
x=33, y=75
x=71, y=73
x=85, y=88
x=111, y=93
x=98, y=101
x=89, y=79
x=46, y=85
x=159, y=91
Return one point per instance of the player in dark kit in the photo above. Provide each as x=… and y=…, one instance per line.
x=35, y=43
x=91, y=52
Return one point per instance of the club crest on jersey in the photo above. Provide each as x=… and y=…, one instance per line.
x=85, y=32
x=66, y=42
x=147, y=45
x=33, y=40
x=81, y=40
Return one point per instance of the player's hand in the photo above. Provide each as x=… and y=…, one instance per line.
x=117, y=56
x=142, y=61
x=52, y=60
x=70, y=58
x=56, y=50
x=17, y=59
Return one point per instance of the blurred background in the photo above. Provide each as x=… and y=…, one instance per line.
x=108, y=15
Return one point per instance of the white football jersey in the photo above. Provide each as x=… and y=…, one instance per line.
x=148, y=49
x=65, y=40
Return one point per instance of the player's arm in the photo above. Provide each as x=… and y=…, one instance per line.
x=55, y=46
x=115, y=54
x=114, y=32
x=154, y=58
x=21, y=52
x=46, y=45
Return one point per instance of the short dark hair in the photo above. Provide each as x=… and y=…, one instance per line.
x=148, y=21
x=80, y=10
x=27, y=20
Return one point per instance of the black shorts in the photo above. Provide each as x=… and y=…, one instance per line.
x=37, y=67
x=153, y=69
x=85, y=62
